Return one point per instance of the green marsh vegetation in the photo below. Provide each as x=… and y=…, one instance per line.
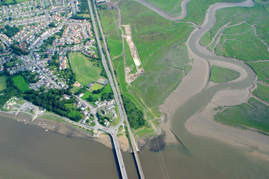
x=262, y=92
x=171, y=7
x=221, y=75
x=253, y=114
x=197, y=9
x=245, y=32
x=245, y=37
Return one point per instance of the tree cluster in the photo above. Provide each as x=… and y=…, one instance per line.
x=135, y=116
x=84, y=7
x=51, y=102
x=11, y=31
x=10, y=91
x=101, y=118
x=107, y=96
x=17, y=50
x=80, y=17
x=28, y=76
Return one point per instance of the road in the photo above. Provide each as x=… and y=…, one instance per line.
x=112, y=130
x=135, y=148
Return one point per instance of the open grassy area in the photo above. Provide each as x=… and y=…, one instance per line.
x=221, y=75
x=3, y=82
x=20, y=83
x=253, y=114
x=262, y=92
x=96, y=86
x=171, y=7
x=113, y=34
x=87, y=70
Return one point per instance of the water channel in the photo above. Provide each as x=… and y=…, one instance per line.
x=27, y=151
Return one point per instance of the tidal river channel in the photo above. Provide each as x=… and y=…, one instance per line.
x=28, y=151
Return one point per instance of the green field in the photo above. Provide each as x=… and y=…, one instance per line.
x=253, y=114
x=96, y=86
x=87, y=70
x=262, y=92
x=20, y=83
x=3, y=82
x=221, y=75
x=113, y=34
x=171, y=7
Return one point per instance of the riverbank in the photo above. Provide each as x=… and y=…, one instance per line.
x=66, y=129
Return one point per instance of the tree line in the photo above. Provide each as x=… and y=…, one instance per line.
x=135, y=115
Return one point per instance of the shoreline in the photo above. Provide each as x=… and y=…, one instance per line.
x=66, y=129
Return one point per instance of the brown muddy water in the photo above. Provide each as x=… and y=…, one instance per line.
x=28, y=151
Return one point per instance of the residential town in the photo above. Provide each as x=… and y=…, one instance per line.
x=37, y=39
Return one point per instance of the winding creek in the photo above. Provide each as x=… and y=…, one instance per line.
x=50, y=155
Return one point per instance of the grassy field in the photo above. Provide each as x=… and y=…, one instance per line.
x=113, y=34
x=221, y=75
x=20, y=83
x=3, y=82
x=96, y=86
x=262, y=92
x=87, y=70
x=171, y=7
x=253, y=114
